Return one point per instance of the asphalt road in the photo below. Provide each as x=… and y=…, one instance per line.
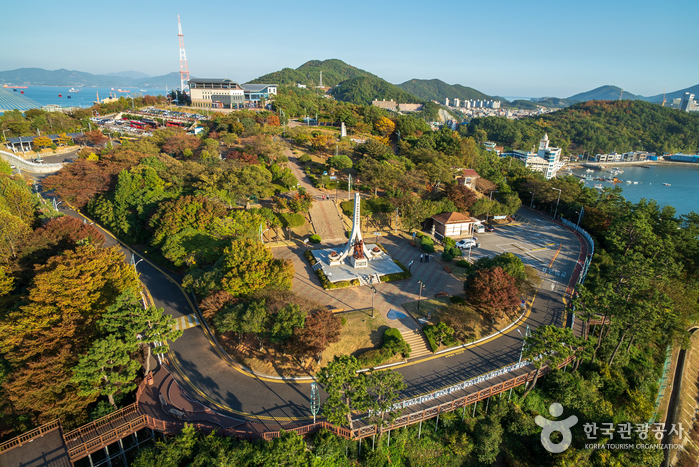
x=205, y=373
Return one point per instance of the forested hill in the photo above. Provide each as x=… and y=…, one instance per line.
x=363, y=90
x=334, y=72
x=438, y=90
x=604, y=93
x=62, y=77
x=597, y=127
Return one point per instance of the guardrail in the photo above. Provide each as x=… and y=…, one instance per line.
x=29, y=435
x=31, y=166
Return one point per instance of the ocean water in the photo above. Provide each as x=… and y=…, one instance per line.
x=682, y=194
x=46, y=95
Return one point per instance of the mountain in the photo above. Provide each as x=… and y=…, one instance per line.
x=364, y=89
x=438, y=90
x=673, y=95
x=128, y=74
x=62, y=77
x=334, y=72
x=605, y=93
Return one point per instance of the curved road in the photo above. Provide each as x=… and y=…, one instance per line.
x=204, y=372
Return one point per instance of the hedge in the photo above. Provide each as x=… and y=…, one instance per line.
x=393, y=343
x=323, y=278
x=397, y=276
x=433, y=332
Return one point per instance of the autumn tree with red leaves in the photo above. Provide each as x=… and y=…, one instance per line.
x=96, y=137
x=178, y=143
x=322, y=328
x=495, y=291
x=461, y=196
x=212, y=304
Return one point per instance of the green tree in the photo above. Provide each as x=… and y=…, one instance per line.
x=548, y=345
x=384, y=391
x=107, y=368
x=347, y=390
x=340, y=162
x=285, y=322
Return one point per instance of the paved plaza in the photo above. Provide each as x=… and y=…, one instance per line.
x=381, y=265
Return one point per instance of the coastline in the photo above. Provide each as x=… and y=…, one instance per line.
x=603, y=165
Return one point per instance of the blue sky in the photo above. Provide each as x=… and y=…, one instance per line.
x=500, y=47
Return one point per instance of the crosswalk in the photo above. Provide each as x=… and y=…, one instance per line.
x=186, y=322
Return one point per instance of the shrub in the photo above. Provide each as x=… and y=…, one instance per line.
x=457, y=300
x=396, y=276
x=315, y=238
x=343, y=320
x=304, y=158
x=463, y=263
x=425, y=240
x=374, y=357
x=449, y=242
x=393, y=341
x=446, y=256
x=291, y=219
x=428, y=248
x=438, y=335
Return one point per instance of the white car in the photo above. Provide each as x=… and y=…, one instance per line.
x=467, y=243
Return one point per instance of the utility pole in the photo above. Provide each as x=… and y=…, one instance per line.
x=349, y=186
x=420, y=296
x=559, y=200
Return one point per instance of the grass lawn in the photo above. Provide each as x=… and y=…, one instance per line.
x=427, y=305
x=359, y=334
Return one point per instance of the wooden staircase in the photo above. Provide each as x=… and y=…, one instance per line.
x=419, y=345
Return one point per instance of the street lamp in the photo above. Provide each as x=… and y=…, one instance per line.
x=559, y=200
x=520, y=354
x=420, y=296
x=491, y=198
x=373, y=288
x=532, y=203
x=580, y=214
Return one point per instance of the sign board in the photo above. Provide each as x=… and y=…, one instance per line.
x=305, y=241
x=499, y=217
x=376, y=234
x=333, y=177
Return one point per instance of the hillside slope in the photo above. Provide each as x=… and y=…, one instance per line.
x=334, y=72
x=604, y=93
x=438, y=90
x=364, y=89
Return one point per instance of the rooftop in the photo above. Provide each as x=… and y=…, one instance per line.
x=452, y=218
x=256, y=87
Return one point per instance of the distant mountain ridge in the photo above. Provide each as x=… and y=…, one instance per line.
x=334, y=72
x=364, y=89
x=63, y=77
x=438, y=90
x=605, y=93
x=129, y=74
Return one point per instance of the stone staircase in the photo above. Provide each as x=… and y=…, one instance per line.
x=368, y=279
x=419, y=346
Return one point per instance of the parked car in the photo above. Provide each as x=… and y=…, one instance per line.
x=479, y=229
x=489, y=228
x=467, y=243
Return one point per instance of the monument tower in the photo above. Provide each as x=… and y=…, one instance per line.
x=355, y=249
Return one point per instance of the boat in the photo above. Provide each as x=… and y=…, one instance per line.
x=635, y=183
x=68, y=97
x=667, y=184
x=121, y=90
x=14, y=90
x=60, y=95
x=589, y=170
x=74, y=90
x=599, y=186
x=22, y=92
x=144, y=90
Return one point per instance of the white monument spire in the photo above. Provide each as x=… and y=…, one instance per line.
x=356, y=249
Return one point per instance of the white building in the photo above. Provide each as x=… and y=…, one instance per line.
x=216, y=93
x=446, y=102
x=457, y=102
x=547, y=159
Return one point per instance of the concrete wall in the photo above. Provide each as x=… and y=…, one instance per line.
x=30, y=166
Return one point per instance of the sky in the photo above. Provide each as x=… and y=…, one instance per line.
x=500, y=47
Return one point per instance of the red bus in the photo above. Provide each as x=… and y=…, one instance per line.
x=137, y=124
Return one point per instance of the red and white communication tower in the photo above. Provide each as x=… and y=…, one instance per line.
x=184, y=71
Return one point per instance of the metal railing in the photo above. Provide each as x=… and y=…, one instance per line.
x=29, y=435
x=29, y=165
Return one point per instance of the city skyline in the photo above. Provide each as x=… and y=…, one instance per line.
x=507, y=49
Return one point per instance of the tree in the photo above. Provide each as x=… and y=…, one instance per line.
x=463, y=197
x=248, y=265
x=96, y=137
x=494, y=290
x=107, y=368
x=42, y=142
x=384, y=126
x=13, y=232
x=548, y=345
x=180, y=142
x=321, y=329
x=340, y=162
x=347, y=390
x=214, y=303
x=384, y=391
x=285, y=322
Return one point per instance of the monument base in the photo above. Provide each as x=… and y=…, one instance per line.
x=358, y=263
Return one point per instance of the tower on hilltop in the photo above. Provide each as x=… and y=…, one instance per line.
x=184, y=71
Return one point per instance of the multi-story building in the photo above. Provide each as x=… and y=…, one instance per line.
x=547, y=159
x=687, y=102
x=257, y=92
x=216, y=93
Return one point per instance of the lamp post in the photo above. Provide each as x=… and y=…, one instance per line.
x=580, y=214
x=420, y=296
x=520, y=355
x=559, y=200
x=532, y=203
x=373, y=288
x=349, y=186
x=491, y=198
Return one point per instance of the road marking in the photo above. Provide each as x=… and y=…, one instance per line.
x=186, y=322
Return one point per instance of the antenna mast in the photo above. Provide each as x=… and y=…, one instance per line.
x=184, y=71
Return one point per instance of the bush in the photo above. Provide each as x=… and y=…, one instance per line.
x=457, y=300
x=447, y=256
x=315, y=238
x=343, y=320
x=438, y=335
x=304, y=158
x=428, y=248
x=324, y=280
x=393, y=341
x=374, y=357
x=397, y=276
x=425, y=240
x=449, y=242
x=291, y=219
x=463, y=263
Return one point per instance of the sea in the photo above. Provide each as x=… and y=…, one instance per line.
x=46, y=95
x=682, y=194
